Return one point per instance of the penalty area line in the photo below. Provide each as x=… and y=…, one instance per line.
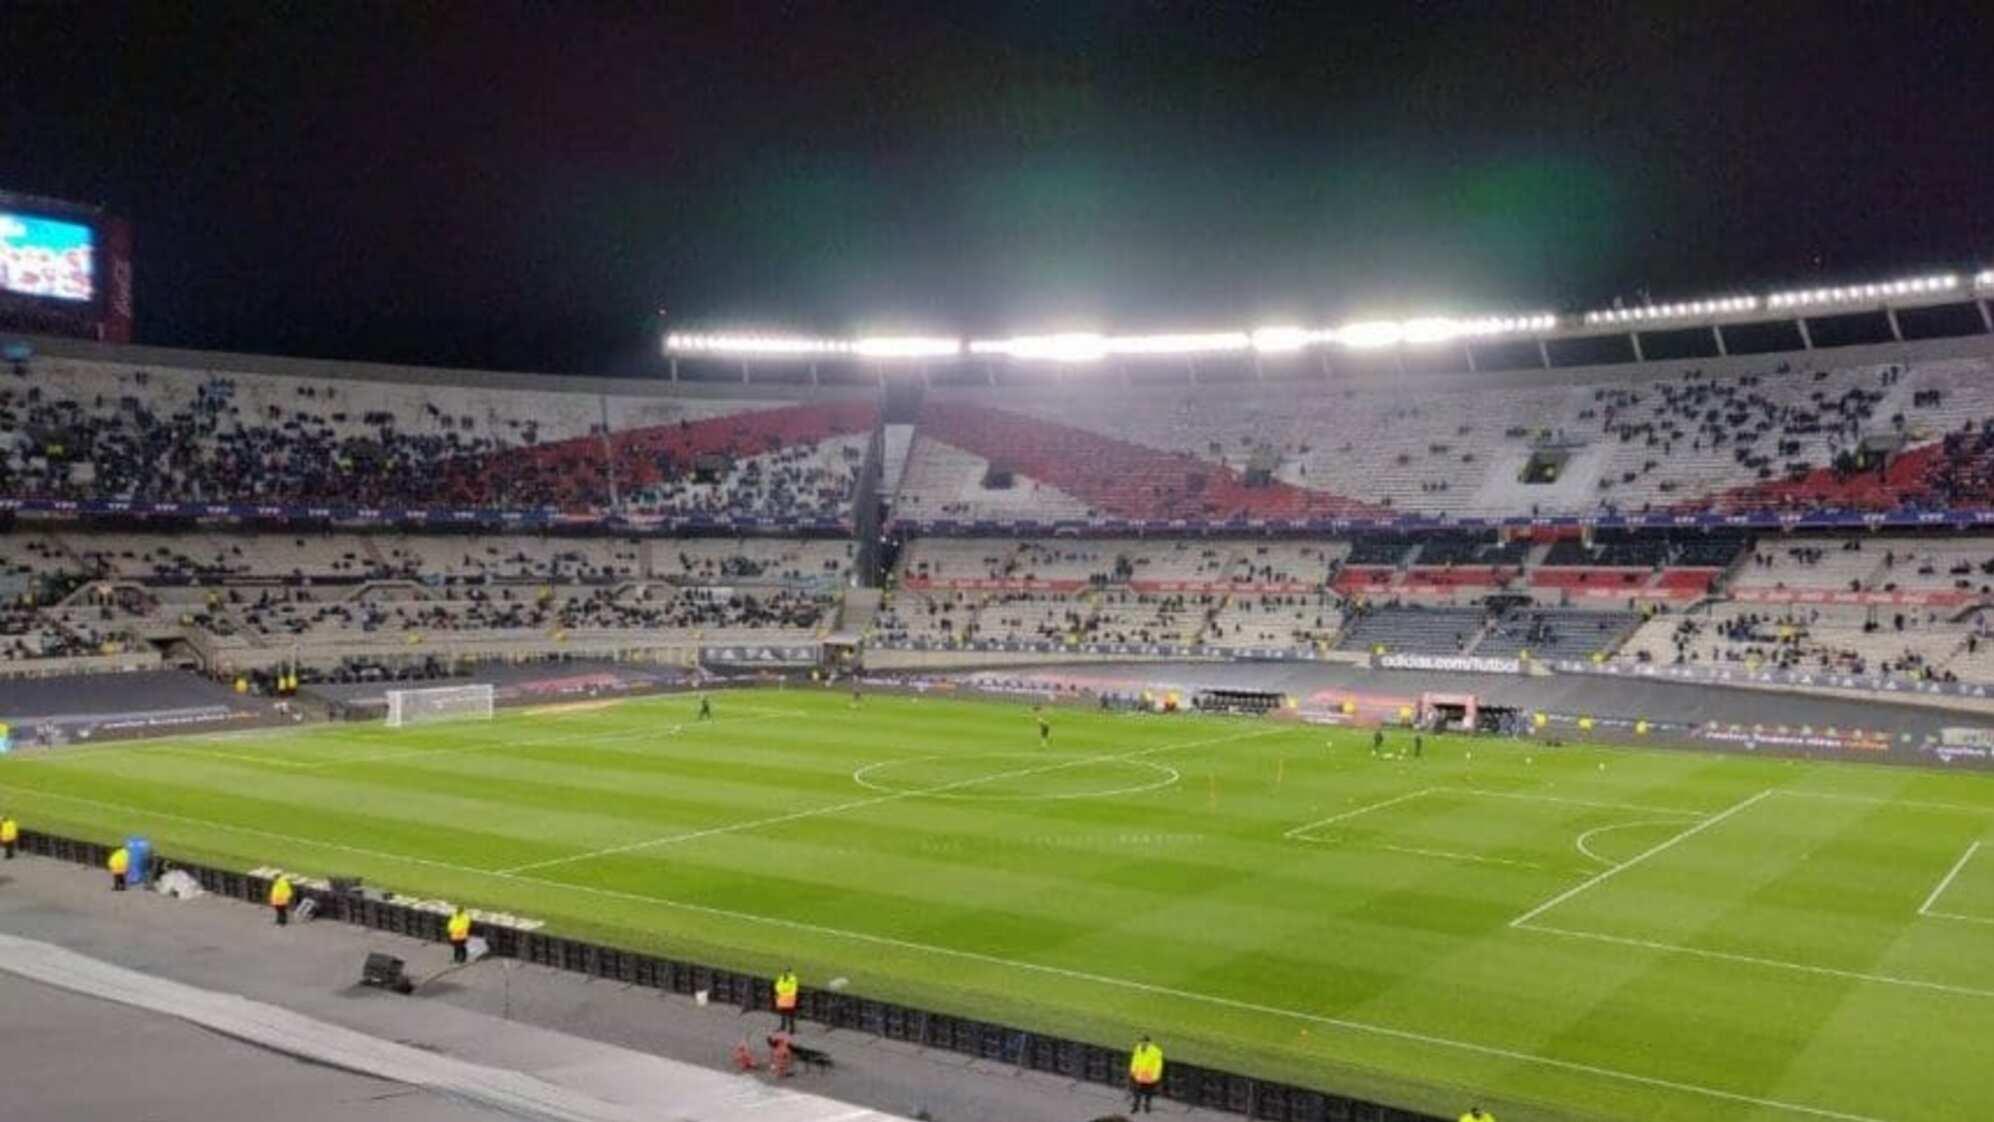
x=1755, y=960
x=1665, y=845
x=1301, y=832
x=1129, y=984
x=1925, y=909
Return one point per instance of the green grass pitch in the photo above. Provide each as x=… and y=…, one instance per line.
x=1565, y=933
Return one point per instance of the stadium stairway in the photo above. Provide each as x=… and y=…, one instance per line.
x=856, y=613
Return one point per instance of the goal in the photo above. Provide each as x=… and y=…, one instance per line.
x=444, y=703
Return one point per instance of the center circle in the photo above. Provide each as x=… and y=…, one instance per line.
x=1012, y=776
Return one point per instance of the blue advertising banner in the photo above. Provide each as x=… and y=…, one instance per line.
x=421, y=516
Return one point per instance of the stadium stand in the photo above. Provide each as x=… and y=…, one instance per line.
x=137, y=427
x=1413, y=629
x=81, y=428
x=1862, y=436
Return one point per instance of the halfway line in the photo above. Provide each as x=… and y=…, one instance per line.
x=875, y=800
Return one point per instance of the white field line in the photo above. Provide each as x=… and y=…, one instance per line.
x=1963, y=919
x=177, y=746
x=232, y=757
x=1925, y=908
x=340, y=731
x=1310, y=827
x=1581, y=843
x=1443, y=854
x=1755, y=960
x=587, y=739
x=1470, y=857
x=1577, y=802
x=1608, y=874
x=876, y=800
x=1359, y=1027
x=1968, y=808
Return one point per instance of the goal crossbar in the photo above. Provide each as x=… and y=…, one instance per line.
x=439, y=703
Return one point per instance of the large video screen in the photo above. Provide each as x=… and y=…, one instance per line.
x=47, y=257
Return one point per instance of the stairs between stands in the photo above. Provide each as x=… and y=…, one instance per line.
x=1475, y=640
x=855, y=614
x=69, y=551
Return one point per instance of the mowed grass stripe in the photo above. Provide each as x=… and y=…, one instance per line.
x=1231, y=961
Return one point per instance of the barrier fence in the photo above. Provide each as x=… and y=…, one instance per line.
x=1032, y=1051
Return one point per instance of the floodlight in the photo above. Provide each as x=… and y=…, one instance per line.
x=1277, y=340
x=1430, y=329
x=912, y=346
x=1371, y=335
x=1184, y=344
x=1070, y=347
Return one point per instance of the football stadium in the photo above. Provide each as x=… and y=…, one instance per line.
x=1544, y=710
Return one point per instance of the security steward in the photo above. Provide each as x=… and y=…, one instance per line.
x=1145, y=1075
x=280, y=898
x=1477, y=1114
x=785, y=999
x=119, y=864
x=460, y=935
x=10, y=834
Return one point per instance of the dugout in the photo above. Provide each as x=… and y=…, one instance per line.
x=1448, y=712
x=1254, y=702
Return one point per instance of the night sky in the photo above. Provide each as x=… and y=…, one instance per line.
x=526, y=187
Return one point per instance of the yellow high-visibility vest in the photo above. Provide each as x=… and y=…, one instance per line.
x=460, y=927
x=120, y=860
x=280, y=892
x=785, y=992
x=10, y=831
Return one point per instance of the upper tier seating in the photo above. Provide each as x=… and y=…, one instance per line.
x=1642, y=441
x=87, y=429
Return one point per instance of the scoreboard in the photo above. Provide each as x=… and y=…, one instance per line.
x=65, y=269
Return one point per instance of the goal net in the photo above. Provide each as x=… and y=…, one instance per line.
x=443, y=703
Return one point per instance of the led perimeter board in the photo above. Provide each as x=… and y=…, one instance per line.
x=65, y=269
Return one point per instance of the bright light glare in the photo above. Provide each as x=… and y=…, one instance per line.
x=1069, y=347
x=1371, y=335
x=1206, y=343
x=1907, y=286
x=1429, y=330
x=1278, y=340
x=911, y=346
x=755, y=345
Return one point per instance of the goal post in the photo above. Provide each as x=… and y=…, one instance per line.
x=441, y=703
